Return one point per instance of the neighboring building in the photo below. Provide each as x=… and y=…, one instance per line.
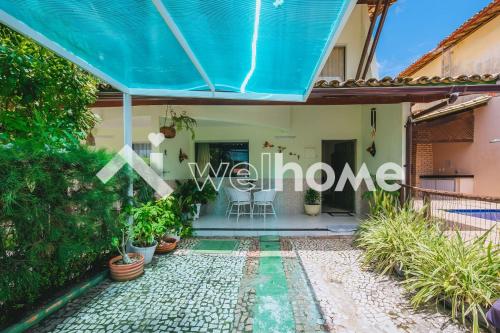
x=454, y=144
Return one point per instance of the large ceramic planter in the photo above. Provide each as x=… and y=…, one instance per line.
x=166, y=244
x=126, y=272
x=312, y=210
x=147, y=252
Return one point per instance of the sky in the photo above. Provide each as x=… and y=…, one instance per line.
x=414, y=27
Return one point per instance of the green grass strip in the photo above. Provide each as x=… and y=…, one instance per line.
x=273, y=311
x=215, y=246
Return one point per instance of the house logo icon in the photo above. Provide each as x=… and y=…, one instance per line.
x=127, y=156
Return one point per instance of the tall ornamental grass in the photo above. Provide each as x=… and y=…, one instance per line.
x=466, y=275
x=436, y=268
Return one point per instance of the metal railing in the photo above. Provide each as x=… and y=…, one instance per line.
x=471, y=215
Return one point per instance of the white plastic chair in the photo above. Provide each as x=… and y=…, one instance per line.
x=240, y=200
x=264, y=200
x=229, y=200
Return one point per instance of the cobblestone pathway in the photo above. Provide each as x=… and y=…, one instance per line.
x=354, y=300
x=200, y=290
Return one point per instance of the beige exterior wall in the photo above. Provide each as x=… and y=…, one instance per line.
x=353, y=38
x=478, y=53
x=299, y=128
x=480, y=158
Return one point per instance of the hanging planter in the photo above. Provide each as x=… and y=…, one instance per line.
x=177, y=122
x=168, y=131
x=373, y=123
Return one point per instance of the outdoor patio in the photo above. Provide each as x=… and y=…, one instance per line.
x=283, y=225
x=251, y=285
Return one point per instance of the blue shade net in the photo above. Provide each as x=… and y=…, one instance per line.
x=263, y=48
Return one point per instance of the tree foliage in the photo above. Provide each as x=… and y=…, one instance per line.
x=42, y=96
x=57, y=219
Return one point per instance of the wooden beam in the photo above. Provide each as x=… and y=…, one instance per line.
x=380, y=25
x=367, y=40
x=319, y=96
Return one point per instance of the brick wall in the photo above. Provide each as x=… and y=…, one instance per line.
x=424, y=164
x=453, y=128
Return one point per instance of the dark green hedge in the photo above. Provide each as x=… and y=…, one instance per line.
x=56, y=219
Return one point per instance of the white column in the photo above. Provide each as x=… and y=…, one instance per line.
x=127, y=132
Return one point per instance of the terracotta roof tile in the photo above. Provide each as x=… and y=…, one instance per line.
x=388, y=82
x=482, y=17
x=408, y=81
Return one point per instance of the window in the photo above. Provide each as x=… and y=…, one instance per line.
x=142, y=149
x=334, y=68
x=222, y=152
x=446, y=63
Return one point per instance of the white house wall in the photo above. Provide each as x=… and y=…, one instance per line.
x=299, y=128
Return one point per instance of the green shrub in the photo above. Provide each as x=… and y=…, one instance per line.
x=436, y=268
x=467, y=275
x=311, y=197
x=390, y=242
x=155, y=218
x=382, y=202
x=57, y=219
x=42, y=96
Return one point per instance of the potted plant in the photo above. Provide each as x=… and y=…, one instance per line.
x=172, y=221
x=178, y=122
x=126, y=266
x=207, y=194
x=189, y=192
x=312, y=205
x=149, y=225
x=188, y=196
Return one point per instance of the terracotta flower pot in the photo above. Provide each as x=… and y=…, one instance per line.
x=168, y=131
x=126, y=272
x=167, y=244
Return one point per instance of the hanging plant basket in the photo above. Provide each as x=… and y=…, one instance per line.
x=174, y=121
x=168, y=131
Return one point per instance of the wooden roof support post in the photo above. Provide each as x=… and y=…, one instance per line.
x=376, y=38
x=368, y=40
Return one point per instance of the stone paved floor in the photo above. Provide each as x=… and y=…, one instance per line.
x=196, y=291
x=356, y=300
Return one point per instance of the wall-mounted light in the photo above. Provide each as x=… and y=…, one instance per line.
x=453, y=97
x=495, y=141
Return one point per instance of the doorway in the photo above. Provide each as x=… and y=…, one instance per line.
x=338, y=153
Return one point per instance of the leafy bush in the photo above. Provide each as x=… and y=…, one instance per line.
x=436, y=268
x=42, y=96
x=311, y=197
x=190, y=191
x=153, y=219
x=57, y=219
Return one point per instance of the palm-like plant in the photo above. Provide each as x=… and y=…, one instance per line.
x=467, y=275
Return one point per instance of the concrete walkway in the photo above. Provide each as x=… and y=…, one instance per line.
x=262, y=284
